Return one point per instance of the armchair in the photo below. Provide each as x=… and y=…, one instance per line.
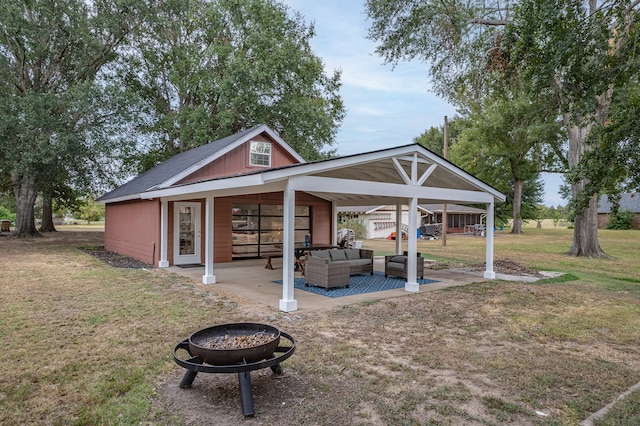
x=323, y=272
x=397, y=265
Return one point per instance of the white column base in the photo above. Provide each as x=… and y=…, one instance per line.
x=412, y=287
x=288, y=305
x=490, y=275
x=208, y=279
x=163, y=264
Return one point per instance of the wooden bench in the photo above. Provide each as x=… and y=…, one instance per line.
x=270, y=256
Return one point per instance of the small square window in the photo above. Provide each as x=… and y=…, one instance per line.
x=260, y=154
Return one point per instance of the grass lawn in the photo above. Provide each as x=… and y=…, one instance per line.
x=87, y=343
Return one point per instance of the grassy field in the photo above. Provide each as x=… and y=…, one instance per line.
x=86, y=343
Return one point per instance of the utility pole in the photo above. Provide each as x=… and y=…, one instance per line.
x=445, y=152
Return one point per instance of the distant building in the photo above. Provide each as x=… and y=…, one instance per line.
x=630, y=202
x=380, y=221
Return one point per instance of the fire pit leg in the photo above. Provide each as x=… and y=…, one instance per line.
x=246, y=397
x=187, y=379
x=277, y=369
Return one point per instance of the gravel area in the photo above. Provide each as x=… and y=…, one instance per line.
x=115, y=259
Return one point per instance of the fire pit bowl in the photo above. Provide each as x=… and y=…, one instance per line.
x=229, y=344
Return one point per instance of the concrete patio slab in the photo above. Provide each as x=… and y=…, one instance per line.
x=250, y=279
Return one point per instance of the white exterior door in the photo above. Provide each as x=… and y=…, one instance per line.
x=186, y=233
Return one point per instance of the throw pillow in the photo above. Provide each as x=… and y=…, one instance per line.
x=337, y=255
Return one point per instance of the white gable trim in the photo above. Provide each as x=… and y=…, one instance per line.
x=402, y=152
x=346, y=186
x=246, y=138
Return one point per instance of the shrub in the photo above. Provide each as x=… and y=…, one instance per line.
x=621, y=220
x=6, y=214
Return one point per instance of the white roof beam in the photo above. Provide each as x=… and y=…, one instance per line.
x=383, y=189
x=401, y=171
x=426, y=174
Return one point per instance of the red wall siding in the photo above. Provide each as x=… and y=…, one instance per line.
x=128, y=236
x=222, y=229
x=132, y=228
x=237, y=161
x=604, y=218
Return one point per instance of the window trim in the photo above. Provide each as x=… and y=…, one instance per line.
x=261, y=154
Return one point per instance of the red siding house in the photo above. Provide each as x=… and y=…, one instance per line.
x=250, y=194
x=245, y=225
x=628, y=202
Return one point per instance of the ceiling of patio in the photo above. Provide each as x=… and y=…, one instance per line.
x=384, y=170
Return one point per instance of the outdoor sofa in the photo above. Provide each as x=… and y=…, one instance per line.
x=397, y=265
x=332, y=268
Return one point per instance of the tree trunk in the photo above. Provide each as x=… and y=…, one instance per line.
x=517, y=207
x=47, y=214
x=25, y=193
x=585, y=232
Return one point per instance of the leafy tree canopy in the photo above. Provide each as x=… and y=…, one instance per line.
x=581, y=55
x=53, y=100
x=205, y=70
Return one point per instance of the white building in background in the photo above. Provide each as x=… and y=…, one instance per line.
x=380, y=221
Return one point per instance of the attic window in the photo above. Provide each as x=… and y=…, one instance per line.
x=260, y=154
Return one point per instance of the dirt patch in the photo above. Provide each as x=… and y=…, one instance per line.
x=492, y=352
x=507, y=266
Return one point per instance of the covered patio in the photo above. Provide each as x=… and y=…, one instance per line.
x=249, y=280
x=405, y=175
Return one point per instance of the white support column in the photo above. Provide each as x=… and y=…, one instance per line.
x=208, y=277
x=489, y=273
x=412, y=249
x=398, y=228
x=288, y=303
x=164, y=234
x=334, y=223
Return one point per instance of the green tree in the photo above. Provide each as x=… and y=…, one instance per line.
x=53, y=95
x=433, y=137
x=580, y=52
x=206, y=70
x=88, y=210
x=506, y=141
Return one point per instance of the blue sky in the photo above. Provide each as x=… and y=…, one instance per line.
x=386, y=106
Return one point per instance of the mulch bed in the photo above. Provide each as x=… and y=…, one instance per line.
x=115, y=259
x=503, y=266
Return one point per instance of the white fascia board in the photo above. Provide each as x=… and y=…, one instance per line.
x=335, y=163
x=285, y=145
x=403, y=151
x=346, y=186
x=228, y=192
x=200, y=164
x=375, y=209
x=254, y=180
x=465, y=176
x=435, y=159
x=129, y=197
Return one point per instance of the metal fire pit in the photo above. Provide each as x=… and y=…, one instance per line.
x=241, y=361
x=198, y=343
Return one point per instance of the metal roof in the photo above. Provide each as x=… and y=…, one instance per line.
x=382, y=177
x=184, y=163
x=630, y=202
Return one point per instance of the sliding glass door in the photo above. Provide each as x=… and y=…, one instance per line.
x=257, y=228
